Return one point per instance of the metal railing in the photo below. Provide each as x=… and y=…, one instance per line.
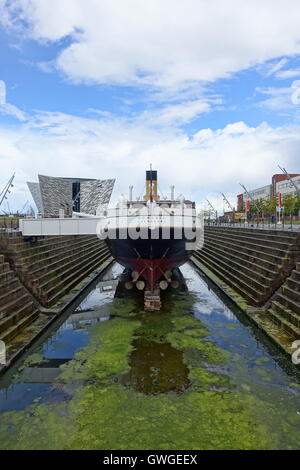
x=263, y=224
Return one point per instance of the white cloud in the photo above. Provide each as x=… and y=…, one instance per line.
x=176, y=114
x=275, y=68
x=279, y=99
x=162, y=44
x=2, y=93
x=271, y=67
x=288, y=73
x=210, y=161
x=7, y=108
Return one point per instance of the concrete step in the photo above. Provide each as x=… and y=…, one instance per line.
x=94, y=258
x=256, y=278
x=245, y=260
x=295, y=275
x=20, y=240
x=9, y=320
x=247, y=249
x=32, y=254
x=287, y=302
x=286, y=313
x=39, y=261
x=13, y=331
x=280, y=321
x=73, y=280
x=4, y=267
x=262, y=240
x=293, y=283
x=250, y=294
x=291, y=293
x=246, y=254
x=48, y=267
x=234, y=285
x=242, y=276
x=6, y=276
x=51, y=262
x=14, y=304
x=278, y=235
x=9, y=285
x=64, y=267
x=13, y=293
x=251, y=243
x=26, y=248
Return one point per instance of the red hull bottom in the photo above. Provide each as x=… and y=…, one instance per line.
x=151, y=270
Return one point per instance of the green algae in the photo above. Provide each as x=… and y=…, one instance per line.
x=32, y=359
x=43, y=426
x=123, y=308
x=195, y=421
x=209, y=352
x=187, y=321
x=104, y=414
x=204, y=380
x=106, y=354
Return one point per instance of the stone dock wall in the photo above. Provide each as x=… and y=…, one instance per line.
x=39, y=278
x=17, y=309
x=259, y=271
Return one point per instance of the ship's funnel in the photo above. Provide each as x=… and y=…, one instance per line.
x=151, y=185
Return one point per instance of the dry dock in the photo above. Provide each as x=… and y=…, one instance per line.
x=260, y=271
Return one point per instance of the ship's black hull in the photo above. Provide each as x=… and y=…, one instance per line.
x=151, y=257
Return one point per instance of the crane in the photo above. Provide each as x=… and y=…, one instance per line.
x=6, y=189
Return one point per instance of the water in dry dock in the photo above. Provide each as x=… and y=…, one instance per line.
x=110, y=376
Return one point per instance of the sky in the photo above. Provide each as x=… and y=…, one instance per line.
x=208, y=92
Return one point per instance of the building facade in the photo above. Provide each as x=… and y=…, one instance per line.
x=279, y=178
x=34, y=189
x=280, y=184
x=286, y=187
x=54, y=195
x=264, y=192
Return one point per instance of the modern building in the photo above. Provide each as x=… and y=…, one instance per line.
x=34, y=189
x=52, y=195
x=288, y=186
x=280, y=184
x=279, y=178
x=264, y=192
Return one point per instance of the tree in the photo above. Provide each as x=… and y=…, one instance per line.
x=297, y=203
x=289, y=202
x=269, y=206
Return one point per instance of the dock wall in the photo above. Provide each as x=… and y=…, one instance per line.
x=17, y=309
x=259, y=270
x=40, y=277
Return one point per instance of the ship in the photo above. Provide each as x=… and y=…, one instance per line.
x=151, y=237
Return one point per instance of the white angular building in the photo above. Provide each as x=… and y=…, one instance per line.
x=52, y=195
